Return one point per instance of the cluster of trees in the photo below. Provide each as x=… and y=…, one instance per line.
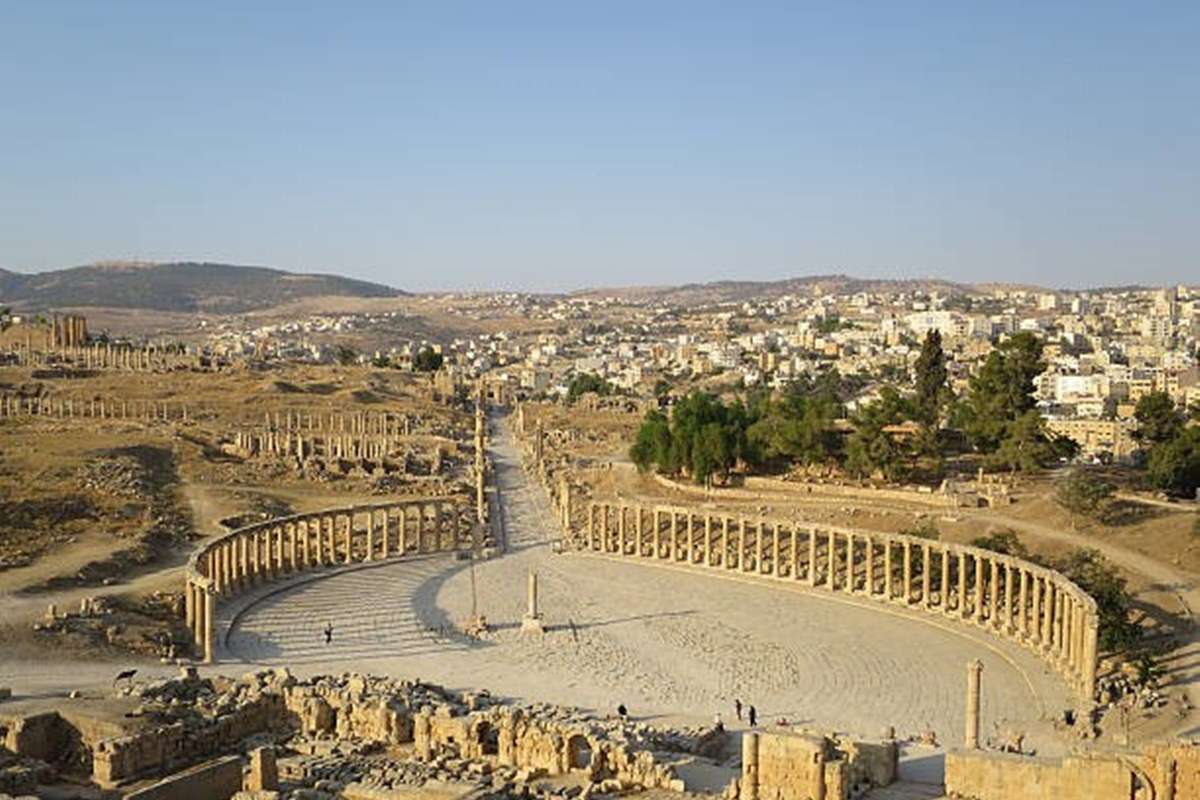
x=1172, y=447
x=902, y=431
x=586, y=382
x=428, y=360
x=703, y=438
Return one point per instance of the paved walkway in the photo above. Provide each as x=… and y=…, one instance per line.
x=669, y=643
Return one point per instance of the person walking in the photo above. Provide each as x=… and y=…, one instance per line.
x=737, y=708
x=622, y=712
x=328, y=633
x=752, y=714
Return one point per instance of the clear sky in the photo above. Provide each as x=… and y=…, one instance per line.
x=564, y=144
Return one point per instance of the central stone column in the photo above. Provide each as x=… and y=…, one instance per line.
x=532, y=621
x=974, y=671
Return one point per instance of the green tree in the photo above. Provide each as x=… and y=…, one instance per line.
x=1092, y=573
x=871, y=448
x=381, y=362
x=1024, y=446
x=1005, y=542
x=586, y=382
x=1002, y=392
x=1158, y=419
x=1084, y=495
x=932, y=393
x=653, y=444
x=703, y=438
x=427, y=360
x=1194, y=411
x=1174, y=466
x=345, y=355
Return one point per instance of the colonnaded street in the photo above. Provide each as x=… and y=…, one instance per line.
x=666, y=642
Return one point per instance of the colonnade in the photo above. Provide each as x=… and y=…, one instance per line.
x=1008, y=597
x=374, y=447
x=383, y=423
x=12, y=405
x=266, y=551
x=103, y=356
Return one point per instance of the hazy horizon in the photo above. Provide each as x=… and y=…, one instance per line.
x=546, y=147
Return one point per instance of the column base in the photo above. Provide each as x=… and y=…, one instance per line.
x=533, y=624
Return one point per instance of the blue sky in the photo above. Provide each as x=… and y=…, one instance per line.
x=566, y=144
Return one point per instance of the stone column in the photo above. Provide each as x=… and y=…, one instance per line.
x=743, y=562
x=812, y=557
x=979, y=579
x=944, y=591
x=849, y=587
x=1091, y=631
x=622, y=533
x=1035, y=616
x=907, y=580
x=709, y=546
x=749, y=782
x=926, y=575
x=994, y=595
x=189, y=605
x=532, y=621
x=974, y=671
x=347, y=542
x=962, y=585
x=831, y=558
x=370, y=535
x=208, y=624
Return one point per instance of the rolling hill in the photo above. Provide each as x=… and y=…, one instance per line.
x=182, y=286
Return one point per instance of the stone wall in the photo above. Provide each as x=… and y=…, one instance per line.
x=1004, y=596
x=1159, y=772
x=216, y=780
x=801, y=766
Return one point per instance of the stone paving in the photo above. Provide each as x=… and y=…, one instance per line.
x=666, y=642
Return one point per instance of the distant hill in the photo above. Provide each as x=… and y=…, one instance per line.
x=693, y=294
x=184, y=286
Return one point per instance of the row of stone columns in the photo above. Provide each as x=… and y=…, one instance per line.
x=103, y=356
x=287, y=443
x=12, y=405
x=263, y=552
x=199, y=607
x=363, y=423
x=1024, y=602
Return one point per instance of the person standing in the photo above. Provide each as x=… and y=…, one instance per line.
x=752, y=714
x=328, y=633
x=737, y=708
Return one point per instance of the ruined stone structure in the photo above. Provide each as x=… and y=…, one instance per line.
x=40, y=352
x=1007, y=597
x=266, y=551
x=1157, y=772
x=68, y=331
x=803, y=766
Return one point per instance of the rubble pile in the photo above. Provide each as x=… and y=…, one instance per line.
x=351, y=730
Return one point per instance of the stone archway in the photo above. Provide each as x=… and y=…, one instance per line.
x=488, y=739
x=579, y=752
